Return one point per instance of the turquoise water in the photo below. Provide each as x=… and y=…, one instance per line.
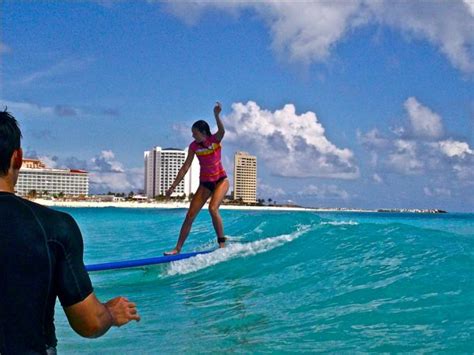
x=287, y=282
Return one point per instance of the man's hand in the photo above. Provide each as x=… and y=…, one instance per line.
x=122, y=311
x=217, y=109
x=91, y=319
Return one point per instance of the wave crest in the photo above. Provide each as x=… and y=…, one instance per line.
x=232, y=251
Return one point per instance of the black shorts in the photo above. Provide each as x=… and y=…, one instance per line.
x=211, y=185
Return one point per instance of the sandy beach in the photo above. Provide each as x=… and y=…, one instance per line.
x=174, y=204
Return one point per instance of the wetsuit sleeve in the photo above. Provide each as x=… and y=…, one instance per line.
x=72, y=280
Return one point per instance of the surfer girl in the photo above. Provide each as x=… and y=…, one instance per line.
x=213, y=180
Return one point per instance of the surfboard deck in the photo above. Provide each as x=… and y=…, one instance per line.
x=143, y=262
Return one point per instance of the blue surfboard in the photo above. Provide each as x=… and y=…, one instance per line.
x=143, y=262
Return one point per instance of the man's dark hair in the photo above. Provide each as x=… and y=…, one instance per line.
x=10, y=136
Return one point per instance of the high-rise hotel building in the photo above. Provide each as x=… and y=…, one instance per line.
x=245, y=177
x=162, y=167
x=35, y=176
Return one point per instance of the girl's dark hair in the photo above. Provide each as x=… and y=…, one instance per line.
x=10, y=137
x=202, y=127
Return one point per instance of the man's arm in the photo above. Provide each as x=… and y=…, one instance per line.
x=91, y=319
x=86, y=314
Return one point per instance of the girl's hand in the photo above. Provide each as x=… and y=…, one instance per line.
x=217, y=109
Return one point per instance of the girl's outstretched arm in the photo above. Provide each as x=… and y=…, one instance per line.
x=220, y=126
x=184, y=169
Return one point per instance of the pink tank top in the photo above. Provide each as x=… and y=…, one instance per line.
x=209, y=155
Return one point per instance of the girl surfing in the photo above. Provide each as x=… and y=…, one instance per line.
x=212, y=177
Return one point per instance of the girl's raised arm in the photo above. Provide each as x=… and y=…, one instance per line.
x=220, y=126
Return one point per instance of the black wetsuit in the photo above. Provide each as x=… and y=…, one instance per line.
x=41, y=257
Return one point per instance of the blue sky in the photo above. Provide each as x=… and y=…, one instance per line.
x=345, y=103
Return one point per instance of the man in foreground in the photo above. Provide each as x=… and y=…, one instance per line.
x=41, y=258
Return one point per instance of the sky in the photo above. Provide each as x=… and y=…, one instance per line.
x=358, y=104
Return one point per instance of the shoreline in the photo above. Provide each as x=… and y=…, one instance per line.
x=185, y=205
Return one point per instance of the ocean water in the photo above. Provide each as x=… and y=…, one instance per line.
x=286, y=282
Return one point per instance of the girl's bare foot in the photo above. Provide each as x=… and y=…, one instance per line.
x=171, y=252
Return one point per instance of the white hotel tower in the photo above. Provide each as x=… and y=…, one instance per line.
x=35, y=176
x=162, y=167
x=245, y=177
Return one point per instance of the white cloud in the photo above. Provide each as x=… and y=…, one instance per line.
x=301, y=31
x=404, y=159
x=27, y=109
x=268, y=191
x=34, y=110
x=106, y=173
x=136, y=177
x=424, y=122
x=182, y=129
x=373, y=139
x=398, y=131
x=306, y=31
x=50, y=162
x=103, y=182
x=470, y=6
x=418, y=155
x=228, y=163
x=445, y=24
x=376, y=177
x=105, y=162
x=127, y=180
x=290, y=145
x=60, y=68
x=465, y=172
x=325, y=192
x=454, y=148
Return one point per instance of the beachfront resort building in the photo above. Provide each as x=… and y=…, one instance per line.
x=162, y=167
x=245, y=177
x=37, y=179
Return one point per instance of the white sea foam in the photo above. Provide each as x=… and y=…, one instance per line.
x=259, y=228
x=341, y=223
x=232, y=251
x=230, y=238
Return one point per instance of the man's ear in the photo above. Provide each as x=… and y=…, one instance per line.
x=17, y=159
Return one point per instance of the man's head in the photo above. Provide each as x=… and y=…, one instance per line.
x=10, y=145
